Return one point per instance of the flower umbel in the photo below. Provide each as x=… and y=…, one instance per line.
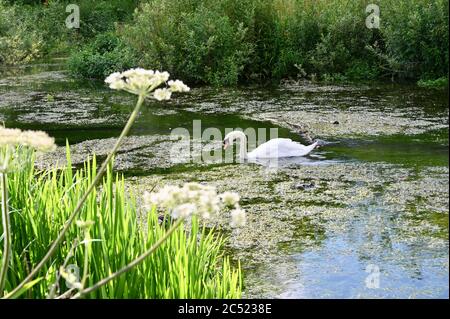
x=194, y=199
x=141, y=82
x=238, y=217
x=178, y=86
x=184, y=210
x=230, y=199
x=162, y=94
x=38, y=140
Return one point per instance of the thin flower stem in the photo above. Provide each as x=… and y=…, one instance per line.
x=6, y=231
x=86, y=257
x=65, y=294
x=83, y=199
x=52, y=292
x=132, y=264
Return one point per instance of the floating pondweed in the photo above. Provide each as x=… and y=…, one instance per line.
x=366, y=205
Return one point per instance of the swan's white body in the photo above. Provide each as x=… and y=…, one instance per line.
x=281, y=147
x=274, y=148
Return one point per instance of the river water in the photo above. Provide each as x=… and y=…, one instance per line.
x=365, y=216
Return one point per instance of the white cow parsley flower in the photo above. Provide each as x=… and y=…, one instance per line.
x=178, y=86
x=184, y=210
x=38, y=140
x=238, y=217
x=230, y=199
x=142, y=82
x=162, y=94
x=194, y=199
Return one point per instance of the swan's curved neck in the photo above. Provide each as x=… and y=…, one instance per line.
x=242, y=144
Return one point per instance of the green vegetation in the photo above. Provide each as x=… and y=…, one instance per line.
x=225, y=42
x=101, y=57
x=189, y=264
x=228, y=41
x=200, y=41
x=31, y=29
x=19, y=43
x=434, y=84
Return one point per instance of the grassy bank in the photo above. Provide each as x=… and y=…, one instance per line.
x=189, y=264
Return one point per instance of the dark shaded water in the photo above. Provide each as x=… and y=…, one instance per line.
x=373, y=201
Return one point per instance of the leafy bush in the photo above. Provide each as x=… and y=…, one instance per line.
x=101, y=16
x=200, y=41
x=33, y=31
x=25, y=25
x=361, y=70
x=188, y=265
x=416, y=37
x=344, y=37
x=272, y=40
x=98, y=59
x=440, y=83
x=19, y=41
x=226, y=41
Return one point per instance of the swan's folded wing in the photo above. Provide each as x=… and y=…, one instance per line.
x=289, y=148
x=281, y=147
x=268, y=149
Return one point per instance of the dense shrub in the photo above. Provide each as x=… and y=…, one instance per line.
x=343, y=37
x=101, y=16
x=273, y=37
x=327, y=38
x=226, y=41
x=19, y=41
x=416, y=36
x=199, y=41
x=106, y=54
x=438, y=83
x=29, y=29
x=230, y=40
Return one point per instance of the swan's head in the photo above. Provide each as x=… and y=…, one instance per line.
x=231, y=137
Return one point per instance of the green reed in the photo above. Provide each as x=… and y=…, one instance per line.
x=189, y=264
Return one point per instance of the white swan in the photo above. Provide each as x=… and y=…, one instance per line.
x=274, y=148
